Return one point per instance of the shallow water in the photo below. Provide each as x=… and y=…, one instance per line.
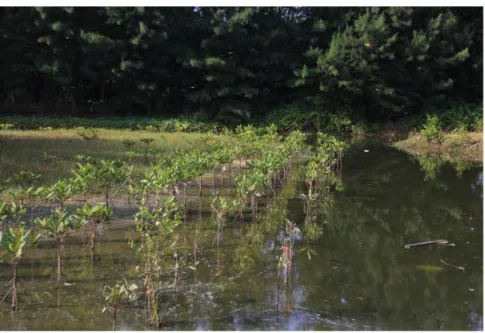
x=360, y=276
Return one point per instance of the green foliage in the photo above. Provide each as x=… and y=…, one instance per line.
x=120, y=293
x=458, y=114
x=185, y=124
x=87, y=134
x=432, y=130
x=307, y=117
x=13, y=241
x=59, y=224
x=236, y=64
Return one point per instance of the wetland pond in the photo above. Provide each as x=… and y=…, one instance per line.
x=357, y=275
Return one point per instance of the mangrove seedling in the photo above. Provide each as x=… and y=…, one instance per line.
x=84, y=176
x=11, y=214
x=110, y=173
x=146, y=141
x=221, y=207
x=93, y=216
x=118, y=295
x=35, y=197
x=12, y=242
x=48, y=158
x=128, y=143
x=24, y=180
x=60, y=192
x=58, y=226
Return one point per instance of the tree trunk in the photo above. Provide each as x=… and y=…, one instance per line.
x=93, y=243
x=14, y=288
x=114, y=318
x=59, y=261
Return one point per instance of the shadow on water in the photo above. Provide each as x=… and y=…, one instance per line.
x=360, y=276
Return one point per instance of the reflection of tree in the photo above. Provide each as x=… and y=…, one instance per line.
x=431, y=164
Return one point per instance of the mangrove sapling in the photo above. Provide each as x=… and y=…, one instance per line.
x=93, y=216
x=12, y=242
x=128, y=143
x=58, y=226
x=60, y=193
x=84, y=176
x=146, y=141
x=110, y=173
x=118, y=295
x=35, y=197
x=156, y=225
x=311, y=173
x=23, y=180
x=221, y=207
x=11, y=213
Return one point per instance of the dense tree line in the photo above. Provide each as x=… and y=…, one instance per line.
x=378, y=63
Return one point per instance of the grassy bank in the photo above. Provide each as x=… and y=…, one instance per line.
x=454, y=146
x=52, y=153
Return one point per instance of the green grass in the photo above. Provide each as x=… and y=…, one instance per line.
x=465, y=146
x=25, y=150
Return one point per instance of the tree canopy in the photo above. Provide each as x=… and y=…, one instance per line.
x=381, y=63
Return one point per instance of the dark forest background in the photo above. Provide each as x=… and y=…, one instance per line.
x=376, y=64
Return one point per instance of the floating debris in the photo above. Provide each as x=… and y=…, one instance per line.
x=458, y=267
x=437, y=242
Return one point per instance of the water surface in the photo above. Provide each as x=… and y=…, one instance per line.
x=359, y=277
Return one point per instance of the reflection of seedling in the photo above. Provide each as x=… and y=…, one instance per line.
x=118, y=295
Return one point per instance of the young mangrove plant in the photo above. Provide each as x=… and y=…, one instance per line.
x=221, y=208
x=310, y=173
x=128, y=143
x=60, y=193
x=24, y=180
x=156, y=226
x=11, y=213
x=58, y=226
x=12, y=242
x=93, y=216
x=35, y=197
x=250, y=186
x=110, y=173
x=146, y=141
x=118, y=295
x=83, y=177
